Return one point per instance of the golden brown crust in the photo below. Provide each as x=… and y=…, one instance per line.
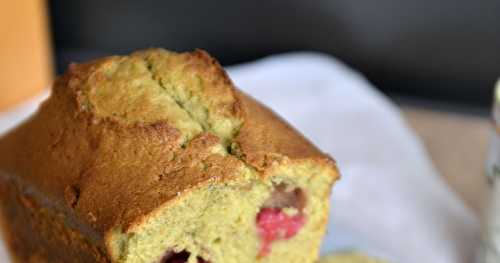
x=102, y=172
x=265, y=137
x=36, y=233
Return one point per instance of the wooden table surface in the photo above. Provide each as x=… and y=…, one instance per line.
x=458, y=146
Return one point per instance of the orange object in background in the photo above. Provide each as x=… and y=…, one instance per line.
x=25, y=53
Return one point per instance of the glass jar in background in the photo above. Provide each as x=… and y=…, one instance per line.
x=490, y=245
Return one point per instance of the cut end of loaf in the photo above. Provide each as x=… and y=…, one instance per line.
x=220, y=222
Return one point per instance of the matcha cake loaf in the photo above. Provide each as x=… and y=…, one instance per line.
x=157, y=157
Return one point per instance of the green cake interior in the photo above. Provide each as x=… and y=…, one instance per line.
x=217, y=223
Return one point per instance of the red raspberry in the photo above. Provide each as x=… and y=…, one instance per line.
x=274, y=224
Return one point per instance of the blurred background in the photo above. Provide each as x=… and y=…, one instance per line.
x=438, y=60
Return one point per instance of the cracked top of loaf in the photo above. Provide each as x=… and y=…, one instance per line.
x=190, y=91
x=122, y=135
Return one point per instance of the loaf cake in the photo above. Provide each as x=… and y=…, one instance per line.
x=157, y=157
